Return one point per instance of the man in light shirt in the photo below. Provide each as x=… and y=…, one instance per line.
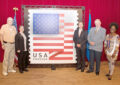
x=96, y=37
x=8, y=32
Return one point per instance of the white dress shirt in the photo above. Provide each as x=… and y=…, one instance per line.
x=79, y=33
x=24, y=37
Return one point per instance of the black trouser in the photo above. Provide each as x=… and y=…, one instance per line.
x=80, y=58
x=27, y=60
x=95, y=55
x=22, y=60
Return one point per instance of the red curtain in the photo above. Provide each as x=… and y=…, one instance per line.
x=106, y=10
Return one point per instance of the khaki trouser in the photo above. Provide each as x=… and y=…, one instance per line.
x=9, y=54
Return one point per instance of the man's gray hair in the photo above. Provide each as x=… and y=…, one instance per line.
x=9, y=19
x=97, y=20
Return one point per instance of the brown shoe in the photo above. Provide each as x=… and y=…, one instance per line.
x=107, y=75
x=110, y=77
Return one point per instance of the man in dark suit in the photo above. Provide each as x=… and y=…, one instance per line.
x=21, y=49
x=80, y=40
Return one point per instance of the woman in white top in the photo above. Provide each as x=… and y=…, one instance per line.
x=111, y=46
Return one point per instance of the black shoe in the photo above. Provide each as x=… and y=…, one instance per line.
x=107, y=75
x=26, y=70
x=21, y=71
x=110, y=77
x=89, y=71
x=97, y=73
x=82, y=70
x=78, y=69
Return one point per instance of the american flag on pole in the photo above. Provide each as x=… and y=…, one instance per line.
x=51, y=36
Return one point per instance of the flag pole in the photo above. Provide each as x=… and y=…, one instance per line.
x=89, y=27
x=89, y=11
x=15, y=9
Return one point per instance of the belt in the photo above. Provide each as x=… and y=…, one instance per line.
x=8, y=42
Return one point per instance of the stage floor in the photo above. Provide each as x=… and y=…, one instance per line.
x=60, y=76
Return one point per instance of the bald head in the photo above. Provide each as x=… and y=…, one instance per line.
x=9, y=20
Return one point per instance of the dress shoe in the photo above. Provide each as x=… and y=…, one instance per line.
x=107, y=75
x=26, y=70
x=13, y=71
x=21, y=71
x=97, y=73
x=82, y=70
x=78, y=69
x=89, y=71
x=5, y=73
x=110, y=77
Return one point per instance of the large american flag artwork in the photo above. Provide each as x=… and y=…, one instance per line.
x=51, y=36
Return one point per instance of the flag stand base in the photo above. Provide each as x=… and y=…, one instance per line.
x=53, y=67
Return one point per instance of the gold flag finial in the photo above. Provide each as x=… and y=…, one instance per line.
x=15, y=9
